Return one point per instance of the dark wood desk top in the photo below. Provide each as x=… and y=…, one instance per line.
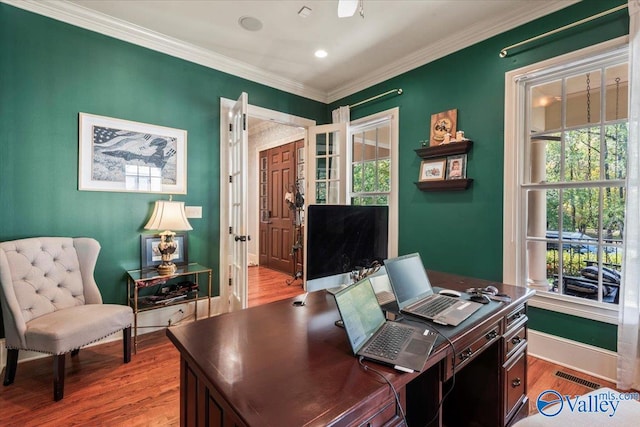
x=280, y=364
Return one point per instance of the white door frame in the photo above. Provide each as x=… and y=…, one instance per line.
x=256, y=112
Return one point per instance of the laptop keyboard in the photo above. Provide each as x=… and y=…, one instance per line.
x=434, y=306
x=389, y=341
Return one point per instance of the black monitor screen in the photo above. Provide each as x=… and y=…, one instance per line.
x=343, y=238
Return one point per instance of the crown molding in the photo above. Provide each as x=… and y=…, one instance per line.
x=529, y=11
x=79, y=16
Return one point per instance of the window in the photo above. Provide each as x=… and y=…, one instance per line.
x=370, y=170
x=565, y=198
x=357, y=165
x=372, y=166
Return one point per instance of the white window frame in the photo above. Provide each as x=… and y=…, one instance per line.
x=391, y=116
x=514, y=218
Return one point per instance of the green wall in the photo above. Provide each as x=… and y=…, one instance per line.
x=461, y=232
x=51, y=71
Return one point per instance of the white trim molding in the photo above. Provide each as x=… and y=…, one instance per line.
x=529, y=11
x=82, y=17
x=514, y=257
x=581, y=357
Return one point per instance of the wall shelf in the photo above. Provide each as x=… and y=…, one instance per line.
x=444, y=185
x=443, y=150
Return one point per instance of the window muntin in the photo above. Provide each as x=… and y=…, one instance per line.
x=371, y=164
x=327, y=177
x=574, y=179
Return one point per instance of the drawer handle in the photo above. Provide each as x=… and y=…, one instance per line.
x=491, y=335
x=465, y=354
x=516, y=383
x=516, y=340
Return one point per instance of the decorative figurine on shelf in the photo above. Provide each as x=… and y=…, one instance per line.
x=441, y=124
x=167, y=247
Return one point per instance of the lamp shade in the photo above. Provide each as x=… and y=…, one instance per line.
x=168, y=215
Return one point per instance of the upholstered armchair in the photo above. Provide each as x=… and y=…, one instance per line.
x=51, y=303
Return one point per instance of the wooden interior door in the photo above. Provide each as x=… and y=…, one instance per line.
x=276, y=225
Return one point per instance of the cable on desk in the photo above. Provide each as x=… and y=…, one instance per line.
x=453, y=368
x=393, y=389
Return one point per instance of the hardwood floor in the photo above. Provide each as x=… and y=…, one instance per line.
x=267, y=285
x=102, y=391
x=541, y=376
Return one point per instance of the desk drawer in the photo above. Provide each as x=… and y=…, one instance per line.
x=385, y=417
x=514, y=340
x=515, y=383
x=515, y=316
x=467, y=352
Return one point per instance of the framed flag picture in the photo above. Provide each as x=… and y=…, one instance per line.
x=121, y=155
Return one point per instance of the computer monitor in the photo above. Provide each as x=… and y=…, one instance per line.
x=342, y=239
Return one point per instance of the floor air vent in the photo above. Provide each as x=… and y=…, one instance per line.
x=578, y=380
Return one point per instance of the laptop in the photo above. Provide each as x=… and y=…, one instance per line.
x=381, y=286
x=415, y=296
x=372, y=336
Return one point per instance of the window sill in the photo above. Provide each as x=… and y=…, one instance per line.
x=600, y=312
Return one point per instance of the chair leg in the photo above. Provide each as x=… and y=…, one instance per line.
x=126, y=344
x=12, y=366
x=58, y=376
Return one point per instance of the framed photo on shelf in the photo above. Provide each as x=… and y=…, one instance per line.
x=150, y=256
x=432, y=170
x=457, y=167
x=121, y=155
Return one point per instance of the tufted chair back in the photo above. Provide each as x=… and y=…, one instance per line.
x=51, y=302
x=45, y=274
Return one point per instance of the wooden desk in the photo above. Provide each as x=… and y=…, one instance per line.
x=282, y=365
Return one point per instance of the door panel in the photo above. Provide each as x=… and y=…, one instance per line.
x=278, y=227
x=327, y=164
x=238, y=219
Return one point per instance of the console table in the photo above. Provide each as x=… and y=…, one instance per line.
x=285, y=365
x=141, y=279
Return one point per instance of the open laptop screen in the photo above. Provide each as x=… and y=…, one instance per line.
x=408, y=279
x=360, y=313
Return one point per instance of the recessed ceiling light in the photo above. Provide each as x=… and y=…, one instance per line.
x=321, y=53
x=250, y=23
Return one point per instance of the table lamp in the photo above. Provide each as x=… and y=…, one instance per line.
x=169, y=216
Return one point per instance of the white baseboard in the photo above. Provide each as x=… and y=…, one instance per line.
x=581, y=357
x=148, y=321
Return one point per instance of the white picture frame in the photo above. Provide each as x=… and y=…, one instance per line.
x=126, y=156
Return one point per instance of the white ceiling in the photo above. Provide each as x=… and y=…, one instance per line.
x=392, y=38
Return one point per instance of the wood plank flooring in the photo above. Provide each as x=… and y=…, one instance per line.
x=267, y=285
x=102, y=391
x=541, y=376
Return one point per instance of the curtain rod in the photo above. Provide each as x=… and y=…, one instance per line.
x=504, y=52
x=398, y=91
